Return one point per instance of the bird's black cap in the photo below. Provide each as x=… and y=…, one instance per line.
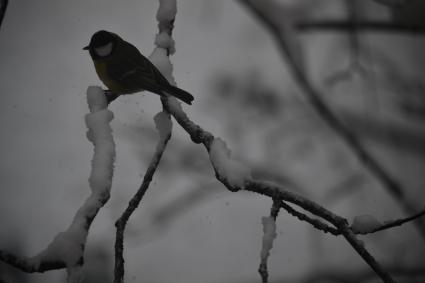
x=100, y=38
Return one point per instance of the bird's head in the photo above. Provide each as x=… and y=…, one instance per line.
x=102, y=44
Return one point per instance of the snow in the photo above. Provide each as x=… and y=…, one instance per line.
x=100, y=134
x=269, y=234
x=68, y=246
x=167, y=10
x=163, y=125
x=165, y=41
x=232, y=170
x=365, y=224
x=160, y=59
x=96, y=99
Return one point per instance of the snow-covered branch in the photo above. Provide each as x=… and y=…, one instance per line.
x=269, y=234
x=67, y=248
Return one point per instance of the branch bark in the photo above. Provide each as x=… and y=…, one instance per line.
x=132, y=205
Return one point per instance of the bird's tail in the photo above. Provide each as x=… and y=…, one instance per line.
x=180, y=94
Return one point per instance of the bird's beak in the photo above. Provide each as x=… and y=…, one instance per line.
x=87, y=47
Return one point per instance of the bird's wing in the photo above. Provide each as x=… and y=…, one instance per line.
x=134, y=72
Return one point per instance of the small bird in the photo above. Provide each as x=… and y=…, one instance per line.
x=124, y=70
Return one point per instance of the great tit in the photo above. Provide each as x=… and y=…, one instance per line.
x=124, y=70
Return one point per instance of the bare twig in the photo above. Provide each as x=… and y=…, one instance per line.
x=316, y=223
x=340, y=223
x=395, y=223
x=315, y=99
x=132, y=205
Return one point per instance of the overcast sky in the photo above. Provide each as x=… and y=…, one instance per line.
x=45, y=156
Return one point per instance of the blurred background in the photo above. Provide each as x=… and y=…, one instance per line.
x=189, y=228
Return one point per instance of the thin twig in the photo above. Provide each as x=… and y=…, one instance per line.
x=316, y=223
x=132, y=205
x=395, y=223
x=320, y=225
x=340, y=223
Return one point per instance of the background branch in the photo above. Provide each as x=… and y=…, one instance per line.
x=3, y=7
x=315, y=98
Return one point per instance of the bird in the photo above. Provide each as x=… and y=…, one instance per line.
x=124, y=70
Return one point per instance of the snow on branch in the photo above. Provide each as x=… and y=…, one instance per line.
x=269, y=234
x=235, y=182
x=67, y=248
x=164, y=42
x=233, y=171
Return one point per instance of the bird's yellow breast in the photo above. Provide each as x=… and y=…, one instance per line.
x=102, y=72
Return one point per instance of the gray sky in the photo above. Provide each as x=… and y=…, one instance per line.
x=46, y=156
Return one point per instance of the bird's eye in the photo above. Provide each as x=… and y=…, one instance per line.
x=104, y=50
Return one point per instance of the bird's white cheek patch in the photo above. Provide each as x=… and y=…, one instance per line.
x=104, y=50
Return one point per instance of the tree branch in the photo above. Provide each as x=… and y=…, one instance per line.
x=198, y=135
x=133, y=204
x=316, y=223
x=395, y=223
x=67, y=248
x=269, y=230
x=315, y=99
